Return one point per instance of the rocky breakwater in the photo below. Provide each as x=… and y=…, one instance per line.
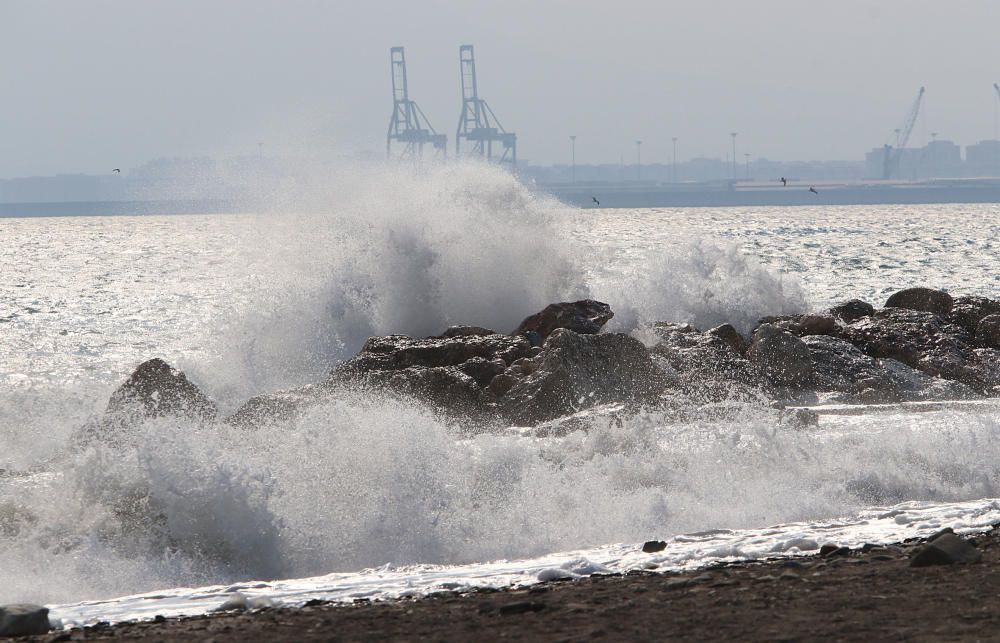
x=922, y=345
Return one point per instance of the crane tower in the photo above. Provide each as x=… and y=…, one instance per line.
x=478, y=125
x=890, y=156
x=408, y=125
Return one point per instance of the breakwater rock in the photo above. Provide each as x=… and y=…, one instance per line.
x=925, y=346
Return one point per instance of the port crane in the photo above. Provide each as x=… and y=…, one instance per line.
x=478, y=125
x=408, y=124
x=890, y=154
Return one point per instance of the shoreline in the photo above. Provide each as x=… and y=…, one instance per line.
x=869, y=593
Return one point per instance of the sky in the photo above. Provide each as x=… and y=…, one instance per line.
x=87, y=85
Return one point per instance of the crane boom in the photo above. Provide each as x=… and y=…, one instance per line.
x=890, y=159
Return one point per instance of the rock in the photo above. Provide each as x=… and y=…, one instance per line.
x=584, y=317
x=840, y=366
x=925, y=300
x=817, y=325
x=575, y=372
x=281, y=406
x=988, y=331
x=445, y=388
x=968, y=311
x=24, y=619
x=466, y=331
x=731, y=337
x=921, y=340
x=653, y=546
x=156, y=389
x=781, y=357
x=396, y=352
x=914, y=386
x=705, y=365
x=946, y=549
x=851, y=310
x=483, y=370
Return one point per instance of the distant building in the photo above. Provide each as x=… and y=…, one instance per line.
x=983, y=159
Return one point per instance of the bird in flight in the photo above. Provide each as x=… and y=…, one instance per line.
x=813, y=190
x=784, y=182
x=595, y=200
x=117, y=170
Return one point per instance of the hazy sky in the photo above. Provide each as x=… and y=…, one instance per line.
x=91, y=85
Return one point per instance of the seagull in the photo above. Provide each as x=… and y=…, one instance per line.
x=117, y=170
x=595, y=200
x=813, y=190
x=784, y=182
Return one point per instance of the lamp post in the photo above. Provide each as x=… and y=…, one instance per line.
x=674, y=140
x=572, y=142
x=733, y=134
x=638, y=160
x=748, y=165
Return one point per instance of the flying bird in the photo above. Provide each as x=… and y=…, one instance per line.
x=595, y=200
x=117, y=170
x=784, y=182
x=813, y=190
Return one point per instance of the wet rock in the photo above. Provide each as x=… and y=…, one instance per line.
x=445, y=388
x=585, y=317
x=467, y=331
x=24, y=619
x=988, y=331
x=840, y=366
x=653, y=546
x=914, y=386
x=832, y=551
x=852, y=310
x=280, y=406
x=396, y=352
x=704, y=365
x=482, y=370
x=156, y=389
x=817, y=325
x=731, y=337
x=925, y=300
x=579, y=371
x=781, y=357
x=946, y=549
x=968, y=311
x=921, y=340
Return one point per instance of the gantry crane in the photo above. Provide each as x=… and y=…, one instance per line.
x=408, y=124
x=891, y=155
x=478, y=125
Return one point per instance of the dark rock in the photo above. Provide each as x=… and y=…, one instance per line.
x=835, y=551
x=704, y=365
x=938, y=534
x=828, y=549
x=817, y=325
x=584, y=317
x=946, y=549
x=575, y=372
x=925, y=300
x=24, y=619
x=840, y=366
x=281, y=406
x=921, y=340
x=394, y=352
x=653, y=546
x=800, y=418
x=156, y=389
x=482, y=370
x=968, y=311
x=731, y=337
x=852, y=310
x=467, y=331
x=988, y=331
x=781, y=357
x=914, y=386
x=446, y=388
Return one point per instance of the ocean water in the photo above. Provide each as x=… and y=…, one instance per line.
x=379, y=498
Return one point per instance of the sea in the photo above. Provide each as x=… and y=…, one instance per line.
x=373, y=499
